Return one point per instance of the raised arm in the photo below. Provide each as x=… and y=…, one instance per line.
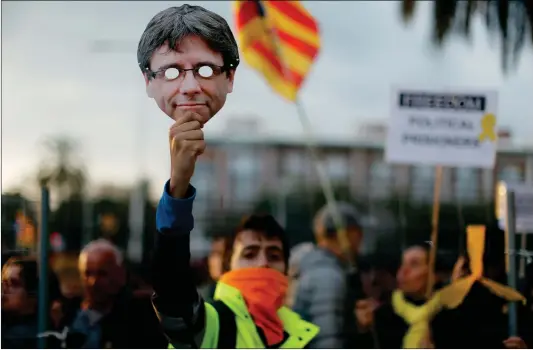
x=178, y=305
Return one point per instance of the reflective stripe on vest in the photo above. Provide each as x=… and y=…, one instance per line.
x=212, y=327
x=300, y=332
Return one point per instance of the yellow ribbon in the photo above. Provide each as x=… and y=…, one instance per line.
x=488, y=123
x=453, y=295
x=417, y=317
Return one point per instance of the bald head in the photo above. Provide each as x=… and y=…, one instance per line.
x=326, y=231
x=101, y=268
x=104, y=248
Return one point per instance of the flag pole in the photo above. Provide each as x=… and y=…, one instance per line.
x=325, y=182
x=434, y=230
x=327, y=189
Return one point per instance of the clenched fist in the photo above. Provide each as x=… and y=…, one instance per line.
x=514, y=343
x=186, y=140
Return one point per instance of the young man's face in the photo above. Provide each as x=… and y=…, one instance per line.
x=205, y=96
x=412, y=276
x=254, y=249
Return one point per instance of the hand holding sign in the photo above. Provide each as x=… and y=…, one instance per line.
x=186, y=140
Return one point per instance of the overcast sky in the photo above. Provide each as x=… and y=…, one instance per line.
x=53, y=84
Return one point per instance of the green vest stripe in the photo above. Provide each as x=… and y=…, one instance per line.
x=212, y=327
x=300, y=332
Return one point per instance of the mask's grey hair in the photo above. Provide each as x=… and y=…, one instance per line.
x=175, y=23
x=103, y=244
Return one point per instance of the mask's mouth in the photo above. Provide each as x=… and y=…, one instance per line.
x=190, y=105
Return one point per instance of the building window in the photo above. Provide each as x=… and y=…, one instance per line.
x=294, y=163
x=204, y=175
x=380, y=180
x=467, y=186
x=422, y=184
x=244, y=172
x=337, y=167
x=205, y=181
x=511, y=174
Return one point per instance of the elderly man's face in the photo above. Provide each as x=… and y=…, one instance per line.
x=15, y=297
x=190, y=91
x=102, y=277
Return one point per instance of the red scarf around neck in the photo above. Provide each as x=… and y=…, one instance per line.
x=263, y=290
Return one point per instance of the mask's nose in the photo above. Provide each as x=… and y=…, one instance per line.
x=189, y=85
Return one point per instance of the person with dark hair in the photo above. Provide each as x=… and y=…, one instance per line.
x=215, y=266
x=474, y=305
x=467, y=313
x=378, y=273
x=188, y=57
x=250, y=226
x=393, y=323
x=327, y=292
x=247, y=310
x=20, y=286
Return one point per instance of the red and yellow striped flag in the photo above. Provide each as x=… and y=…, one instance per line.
x=280, y=39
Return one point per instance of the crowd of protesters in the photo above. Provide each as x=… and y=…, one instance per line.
x=259, y=294
x=352, y=310
x=109, y=314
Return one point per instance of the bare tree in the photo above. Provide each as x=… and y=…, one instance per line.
x=61, y=170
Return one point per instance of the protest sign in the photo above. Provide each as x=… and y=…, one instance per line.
x=445, y=128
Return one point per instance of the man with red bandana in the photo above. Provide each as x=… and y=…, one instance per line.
x=188, y=57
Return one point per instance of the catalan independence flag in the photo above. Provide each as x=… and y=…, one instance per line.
x=280, y=39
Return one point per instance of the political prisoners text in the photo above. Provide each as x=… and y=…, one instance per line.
x=449, y=124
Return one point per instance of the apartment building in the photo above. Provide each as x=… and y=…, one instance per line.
x=235, y=172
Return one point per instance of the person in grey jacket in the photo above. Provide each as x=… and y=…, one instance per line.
x=325, y=294
x=297, y=254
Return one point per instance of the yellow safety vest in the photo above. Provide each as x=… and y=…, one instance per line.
x=300, y=332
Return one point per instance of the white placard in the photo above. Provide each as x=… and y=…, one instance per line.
x=448, y=127
x=523, y=207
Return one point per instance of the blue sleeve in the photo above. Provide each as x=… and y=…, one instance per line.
x=176, y=301
x=175, y=214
